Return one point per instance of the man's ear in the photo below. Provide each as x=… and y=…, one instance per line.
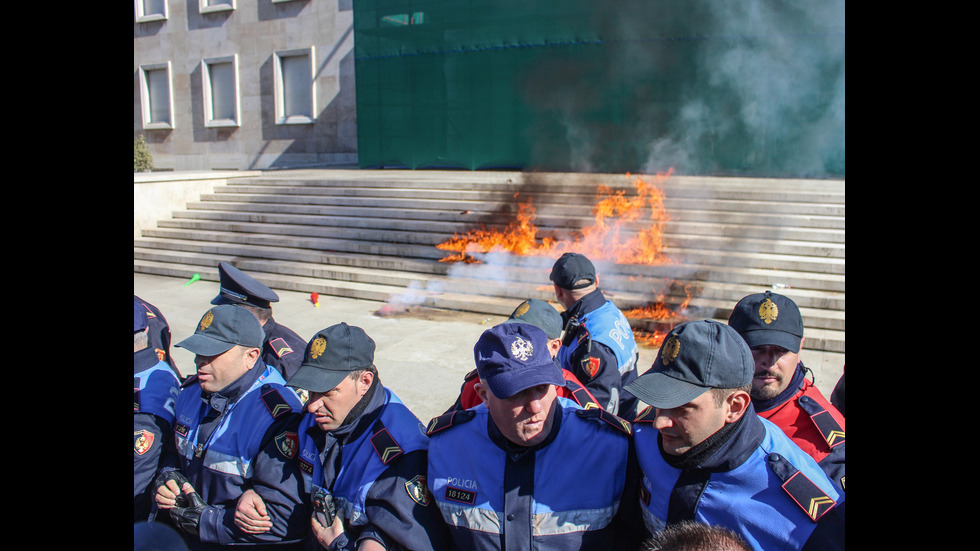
x=251, y=356
x=364, y=382
x=738, y=403
x=481, y=390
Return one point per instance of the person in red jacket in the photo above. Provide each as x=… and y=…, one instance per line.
x=772, y=326
x=544, y=316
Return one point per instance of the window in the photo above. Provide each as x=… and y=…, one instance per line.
x=151, y=10
x=295, y=88
x=219, y=77
x=156, y=96
x=210, y=6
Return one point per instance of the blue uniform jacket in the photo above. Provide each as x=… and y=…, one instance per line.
x=240, y=438
x=601, y=351
x=155, y=388
x=759, y=484
x=380, y=487
x=569, y=492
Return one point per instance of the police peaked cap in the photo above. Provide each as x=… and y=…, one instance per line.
x=237, y=287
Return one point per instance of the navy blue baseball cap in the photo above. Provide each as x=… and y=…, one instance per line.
x=223, y=327
x=512, y=357
x=695, y=357
x=570, y=268
x=139, y=317
x=539, y=314
x=237, y=287
x=767, y=318
x=332, y=354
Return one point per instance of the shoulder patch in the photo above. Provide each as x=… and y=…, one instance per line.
x=274, y=402
x=447, y=420
x=590, y=366
x=829, y=428
x=580, y=395
x=280, y=347
x=418, y=490
x=384, y=444
x=598, y=413
x=142, y=441
x=287, y=442
x=814, y=501
x=647, y=415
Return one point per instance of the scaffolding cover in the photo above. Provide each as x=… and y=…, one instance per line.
x=750, y=87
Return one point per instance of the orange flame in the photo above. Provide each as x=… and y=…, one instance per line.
x=608, y=238
x=651, y=339
x=658, y=311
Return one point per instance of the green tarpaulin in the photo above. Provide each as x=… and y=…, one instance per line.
x=705, y=87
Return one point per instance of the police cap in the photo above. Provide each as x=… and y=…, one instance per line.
x=237, y=287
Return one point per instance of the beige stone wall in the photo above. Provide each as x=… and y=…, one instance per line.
x=157, y=195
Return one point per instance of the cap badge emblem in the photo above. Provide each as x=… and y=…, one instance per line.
x=671, y=348
x=768, y=311
x=206, y=321
x=317, y=348
x=522, y=309
x=521, y=349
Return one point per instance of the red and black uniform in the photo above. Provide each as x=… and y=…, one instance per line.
x=811, y=421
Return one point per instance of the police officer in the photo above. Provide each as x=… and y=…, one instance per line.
x=543, y=315
x=772, y=326
x=159, y=333
x=599, y=347
x=155, y=388
x=526, y=469
x=707, y=456
x=282, y=347
x=362, y=452
x=232, y=433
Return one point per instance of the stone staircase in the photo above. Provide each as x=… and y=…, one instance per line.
x=373, y=234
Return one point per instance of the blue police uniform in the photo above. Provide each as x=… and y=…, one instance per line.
x=601, y=351
x=757, y=483
x=374, y=467
x=155, y=388
x=571, y=491
x=242, y=437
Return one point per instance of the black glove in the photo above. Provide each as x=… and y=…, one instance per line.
x=187, y=509
x=187, y=514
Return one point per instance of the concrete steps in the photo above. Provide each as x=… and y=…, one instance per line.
x=372, y=235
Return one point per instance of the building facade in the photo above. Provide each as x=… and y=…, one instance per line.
x=245, y=84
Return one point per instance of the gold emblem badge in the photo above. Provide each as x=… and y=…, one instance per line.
x=521, y=349
x=206, y=321
x=768, y=311
x=670, y=350
x=317, y=348
x=522, y=309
